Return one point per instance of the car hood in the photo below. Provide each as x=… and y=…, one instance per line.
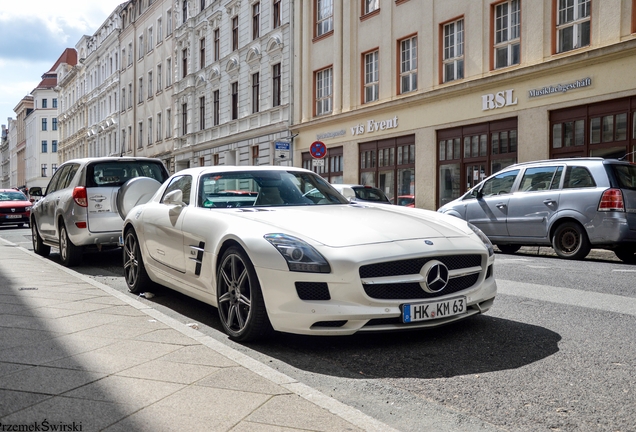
x=351, y=225
x=9, y=204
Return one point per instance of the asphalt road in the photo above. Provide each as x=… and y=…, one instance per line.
x=557, y=351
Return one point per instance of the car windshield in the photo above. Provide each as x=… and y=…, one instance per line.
x=265, y=188
x=116, y=173
x=12, y=196
x=370, y=194
x=626, y=176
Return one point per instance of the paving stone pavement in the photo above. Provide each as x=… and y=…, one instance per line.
x=78, y=355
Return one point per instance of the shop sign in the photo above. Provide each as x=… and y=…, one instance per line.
x=498, y=100
x=374, y=126
x=560, y=88
x=332, y=134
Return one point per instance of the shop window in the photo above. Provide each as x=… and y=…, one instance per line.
x=389, y=165
x=507, y=37
x=453, y=63
x=572, y=24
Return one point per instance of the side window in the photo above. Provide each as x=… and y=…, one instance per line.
x=537, y=179
x=55, y=181
x=499, y=184
x=65, y=180
x=556, y=180
x=578, y=177
x=184, y=184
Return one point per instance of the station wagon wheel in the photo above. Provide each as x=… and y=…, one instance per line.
x=70, y=255
x=239, y=297
x=134, y=270
x=38, y=244
x=570, y=241
x=509, y=248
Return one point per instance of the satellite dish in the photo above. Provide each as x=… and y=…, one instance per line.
x=134, y=192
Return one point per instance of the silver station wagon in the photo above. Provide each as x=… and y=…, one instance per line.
x=572, y=205
x=80, y=207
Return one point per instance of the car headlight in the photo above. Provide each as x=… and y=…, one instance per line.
x=300, y=256
x=483, y=238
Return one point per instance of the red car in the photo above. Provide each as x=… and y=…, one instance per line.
x=406, y=200
x=15, y=208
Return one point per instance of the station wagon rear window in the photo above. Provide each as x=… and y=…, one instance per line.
x=116, y=173
x=625, y=175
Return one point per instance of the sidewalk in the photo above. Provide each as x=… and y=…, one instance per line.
x=78, y=355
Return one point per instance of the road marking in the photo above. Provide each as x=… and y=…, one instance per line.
x=624, y=271
x=569, y=296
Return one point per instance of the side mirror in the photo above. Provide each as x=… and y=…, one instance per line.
x=35, y=191
x=174, y=198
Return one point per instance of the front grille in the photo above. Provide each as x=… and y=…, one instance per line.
x=413, y=266
x=329, y=324
x=413, y=290
x=313, y=291
x=8, y=210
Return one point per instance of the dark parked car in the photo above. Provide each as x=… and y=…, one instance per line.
x=80, y=207
x=571, y=204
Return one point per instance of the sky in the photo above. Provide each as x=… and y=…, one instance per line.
x=33, y=35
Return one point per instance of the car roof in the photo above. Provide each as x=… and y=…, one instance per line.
x=111, y=159
x=570, y=161
x=239, y=168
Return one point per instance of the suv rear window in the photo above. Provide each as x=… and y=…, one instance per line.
x=625, y=175
x=116, y=173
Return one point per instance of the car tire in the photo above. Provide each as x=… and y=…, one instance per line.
x=626, y=254
x=509, y=248
x=570, y=241
x=134, y=269
x=70, y=255
x=38, y=244
x=239, y=298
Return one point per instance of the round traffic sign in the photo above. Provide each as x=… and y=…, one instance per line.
x=318, y=149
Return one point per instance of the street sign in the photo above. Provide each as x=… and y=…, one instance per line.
x=317, y=162
x=282, y=150
x=318, y=150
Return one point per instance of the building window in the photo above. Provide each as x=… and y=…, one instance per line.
x=324, y=17
x=371, y=77
x=202, y=5
x=159, y=126
x=123, y=139
x=217, y=108
x=168, y=72
x=53, y=168
x=130, y=138
x=256, y=20
x=276, y=85
x=256, y=85
x=215, y=159
x=54, y=124
x=453, y=63
x=389, y=165
x=370, y=6
x=184, y=11
x=408, y=65
x=276, y=14
x=149, y=84
x=202, y=113
x=44, y=124
x=44, y=103
x=141, y=46
x=168, y=123
x=202, y=53
x=141, y=90
x=130, y=96
x=150, y=44
x=507, y=34
x=573, y=24
x=159, y=31
x=467, y=155
x=255, y=151
x=43, y=170
x=130, y=54
x=324, y=91
x=217, y=45
x=235, y=34
x=184, y=119
x=159, y=78
x=45, y=146
x=140, y=138
x=54, y=103
x=54, y=146
x=332, y=170
x=149, y=130
x=169, y=22
x=123, y=99
x=235, y=96
x=184, y=63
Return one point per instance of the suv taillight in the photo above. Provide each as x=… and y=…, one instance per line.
x=80, y=197
x=612, y=200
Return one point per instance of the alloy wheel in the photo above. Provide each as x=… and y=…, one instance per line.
x=235, y=293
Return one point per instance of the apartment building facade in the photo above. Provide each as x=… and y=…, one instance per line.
x=427, y=97
x=5, y=171
x=18, y=152
x=232, y=95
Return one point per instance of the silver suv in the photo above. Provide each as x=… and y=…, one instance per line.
x=79, y=208
x=571, y=204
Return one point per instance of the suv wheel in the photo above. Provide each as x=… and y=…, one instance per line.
x=626, y=254
x=70, y=254
x=38, y=244
x=570, y=241
x=509, y=248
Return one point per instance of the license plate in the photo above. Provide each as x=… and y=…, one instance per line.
x=433, y=310
x=14, y=216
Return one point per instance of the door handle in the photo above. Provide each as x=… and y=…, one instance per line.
x=501, y=205
x=549, y=202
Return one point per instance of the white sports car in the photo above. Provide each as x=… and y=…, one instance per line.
x=278, y=247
